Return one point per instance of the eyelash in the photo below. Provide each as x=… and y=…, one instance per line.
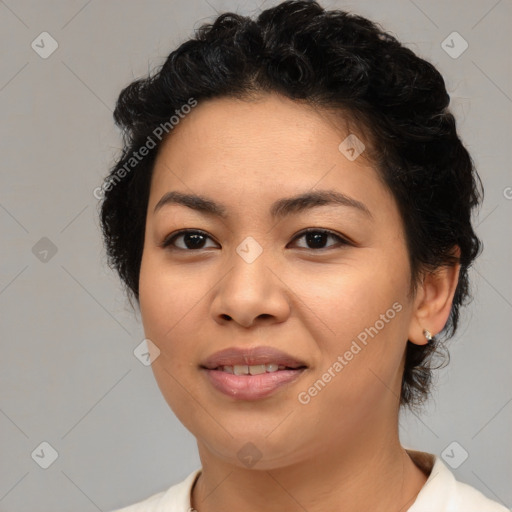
x=167, y=243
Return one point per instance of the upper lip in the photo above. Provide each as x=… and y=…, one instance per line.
x=251, y=356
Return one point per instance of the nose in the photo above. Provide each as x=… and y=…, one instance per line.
x=251, y=294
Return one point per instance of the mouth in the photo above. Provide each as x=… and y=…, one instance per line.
x=251, y=374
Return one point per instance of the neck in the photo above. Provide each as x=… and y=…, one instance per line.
x=378, y=476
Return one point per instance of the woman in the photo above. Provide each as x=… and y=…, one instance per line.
x=291, y=213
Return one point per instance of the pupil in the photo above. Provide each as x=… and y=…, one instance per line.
x=316, y=239
x=197, y=240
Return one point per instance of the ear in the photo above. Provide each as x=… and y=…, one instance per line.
x=433, y=301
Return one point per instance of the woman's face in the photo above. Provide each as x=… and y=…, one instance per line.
x=252, y=278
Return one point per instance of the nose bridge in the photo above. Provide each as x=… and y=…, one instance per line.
x=250, y=289
x=249, y=267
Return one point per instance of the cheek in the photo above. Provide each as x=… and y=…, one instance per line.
x=172, y=312
x=167, y=303
x=343, y=300
x=361, y=314
x=167, y=297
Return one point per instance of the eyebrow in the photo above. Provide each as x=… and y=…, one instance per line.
x=281, y=208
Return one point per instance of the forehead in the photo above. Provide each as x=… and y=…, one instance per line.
x=261, y=149
x=269, y=124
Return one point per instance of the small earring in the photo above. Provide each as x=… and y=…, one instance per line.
x=427, y=334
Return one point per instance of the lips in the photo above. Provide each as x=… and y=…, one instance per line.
x=251, y=357
x=251, y=374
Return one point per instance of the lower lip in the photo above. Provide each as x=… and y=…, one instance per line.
x=251, y=387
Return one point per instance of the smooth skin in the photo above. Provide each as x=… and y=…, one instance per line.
x=340, y=451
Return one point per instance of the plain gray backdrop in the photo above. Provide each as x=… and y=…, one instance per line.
x=68, y=374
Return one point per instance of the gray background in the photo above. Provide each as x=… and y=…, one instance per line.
x=68, y=375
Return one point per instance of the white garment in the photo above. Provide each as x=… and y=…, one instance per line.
x=441, y=493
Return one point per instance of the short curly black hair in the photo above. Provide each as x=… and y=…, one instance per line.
x=331, y=60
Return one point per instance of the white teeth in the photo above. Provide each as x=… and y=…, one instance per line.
x=241, y=369
x=256, y=369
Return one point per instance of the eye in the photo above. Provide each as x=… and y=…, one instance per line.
x=192, y=240
x=195, y=239
x=318, y=237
